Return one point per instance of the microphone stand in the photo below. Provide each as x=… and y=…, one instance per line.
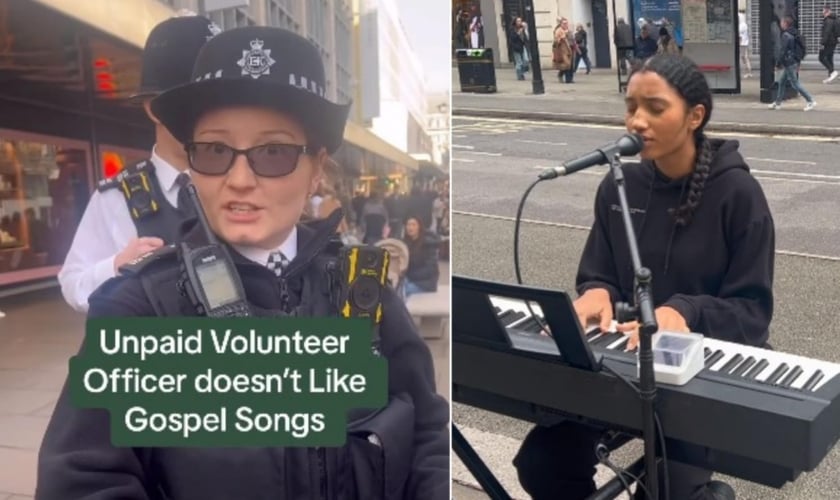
x=643, y=312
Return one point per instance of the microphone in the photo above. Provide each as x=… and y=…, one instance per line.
x=626, y=145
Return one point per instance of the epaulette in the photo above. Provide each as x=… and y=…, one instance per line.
x=137, y=265
x=112, y=182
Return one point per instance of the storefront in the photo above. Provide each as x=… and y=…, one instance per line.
x=64, y=126
x=368, y=163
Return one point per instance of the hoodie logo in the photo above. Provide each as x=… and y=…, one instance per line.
x=617, y=208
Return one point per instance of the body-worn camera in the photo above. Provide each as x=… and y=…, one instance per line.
x=362, y=274
x=208, y=275
x=137, y=188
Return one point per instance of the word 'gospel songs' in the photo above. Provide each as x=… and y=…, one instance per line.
x=299, y=425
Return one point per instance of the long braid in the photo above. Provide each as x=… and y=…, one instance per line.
x=687, y=79
x=683, y=214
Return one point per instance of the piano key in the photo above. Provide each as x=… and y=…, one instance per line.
x=815, y=373
x=775, y=358
x=714, y=358
x=731, y=363
x=791, y=376
x=777, y=374
x=607, y=339
x=590, y=335
x=813, y=381
x=757, y=369
x=620, y=344
x=739, y=371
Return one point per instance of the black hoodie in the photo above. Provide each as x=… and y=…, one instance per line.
x=77, y=460
x=717, y=271
x=830, y=31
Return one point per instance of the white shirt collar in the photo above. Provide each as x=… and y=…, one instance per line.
x=260, y=255
x=166, y=173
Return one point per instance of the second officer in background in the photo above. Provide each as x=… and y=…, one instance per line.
x=139, y=210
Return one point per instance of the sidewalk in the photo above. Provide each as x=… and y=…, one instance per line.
x=37, y=337
x=595, y=98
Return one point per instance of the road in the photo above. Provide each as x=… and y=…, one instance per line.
x=494, y=161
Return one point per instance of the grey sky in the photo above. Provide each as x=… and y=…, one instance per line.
x=427, y=25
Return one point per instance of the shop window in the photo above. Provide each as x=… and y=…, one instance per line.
x=44, y=189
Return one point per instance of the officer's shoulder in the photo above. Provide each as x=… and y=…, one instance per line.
x=113, y=182
x=163, y=256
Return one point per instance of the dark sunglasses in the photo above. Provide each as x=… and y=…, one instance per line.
x=266, y=160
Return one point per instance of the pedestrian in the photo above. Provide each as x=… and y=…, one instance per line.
x=666, y=43
x=828, y=42
x=519, y=46
x=140, y=209
x=744, y=36
x=791, y=52
x=706, y=233
x=563, y=51
x=624, y=44
x=582, y=43
x=259, y=132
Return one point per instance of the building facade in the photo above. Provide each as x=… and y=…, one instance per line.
x=809, y=18
x=401, y=117
x=597, y=16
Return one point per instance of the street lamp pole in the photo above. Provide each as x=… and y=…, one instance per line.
x=533, y=49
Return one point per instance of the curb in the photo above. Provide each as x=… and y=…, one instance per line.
x=751, y=128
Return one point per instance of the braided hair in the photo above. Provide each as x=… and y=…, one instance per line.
x=686, y=79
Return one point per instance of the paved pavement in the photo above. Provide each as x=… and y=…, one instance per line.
x=37, y=337
x=494, y=161
x=595, y=98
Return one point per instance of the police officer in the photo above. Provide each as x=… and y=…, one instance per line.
x=138, y=210
x=259, y=131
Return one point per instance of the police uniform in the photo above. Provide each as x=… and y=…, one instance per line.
x=143, y=199
x=398, y=452
x=108, y=225
x=408, y=460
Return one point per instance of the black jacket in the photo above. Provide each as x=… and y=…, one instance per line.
x=623, y=36
x=77, y=461
x=517, y=43
x=717, y=271
x=645, y=47
x=787, y=50
x=423, y=269
x=830, y=31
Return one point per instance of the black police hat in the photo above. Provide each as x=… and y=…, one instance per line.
x=256, y=66
x=170, y=52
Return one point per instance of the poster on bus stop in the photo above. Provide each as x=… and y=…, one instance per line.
x=658, y=13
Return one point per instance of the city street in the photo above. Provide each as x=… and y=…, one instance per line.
x=494, y=161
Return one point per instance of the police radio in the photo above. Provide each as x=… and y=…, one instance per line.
x=208, y=276
x=362, y=274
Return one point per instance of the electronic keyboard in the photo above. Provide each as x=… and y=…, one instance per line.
x=748, y=363
x=754, y=413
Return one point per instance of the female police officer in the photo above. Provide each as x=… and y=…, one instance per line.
x=258, y=131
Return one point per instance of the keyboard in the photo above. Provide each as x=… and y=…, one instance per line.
x=748, y=363
x=753, y=413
